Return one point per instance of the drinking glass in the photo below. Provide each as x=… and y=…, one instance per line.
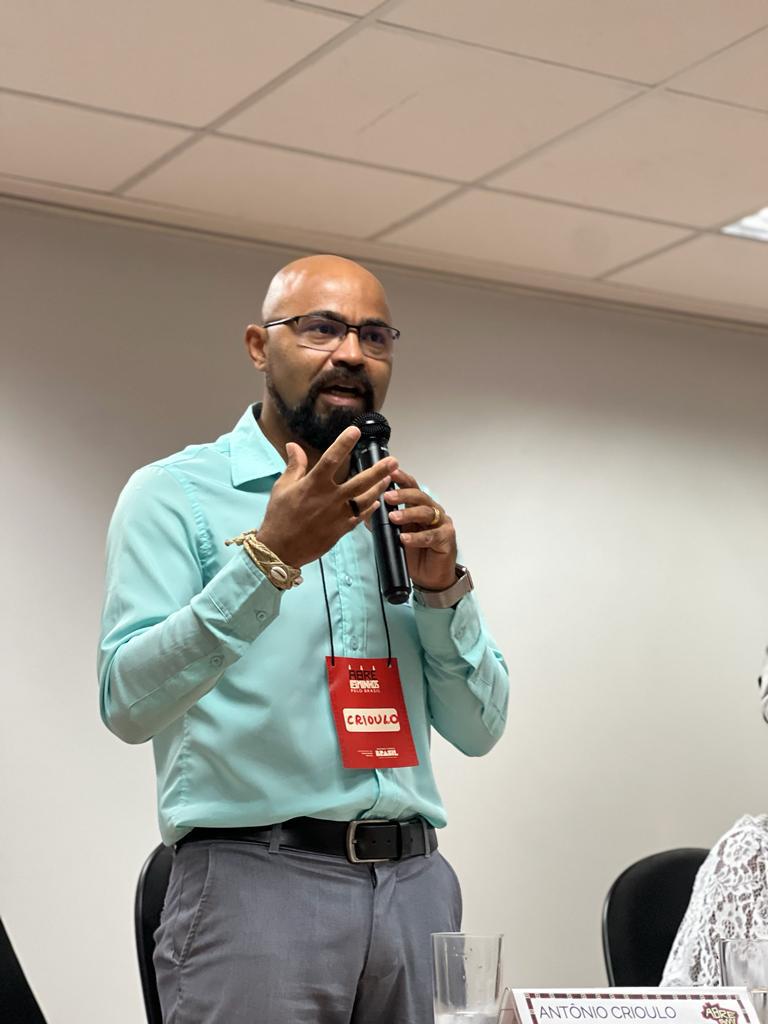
x=467, y=977
x=744, y=962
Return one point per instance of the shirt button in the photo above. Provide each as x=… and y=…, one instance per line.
x=216, y=660
x=348, y=581
x=261, y=616
x=353, y=643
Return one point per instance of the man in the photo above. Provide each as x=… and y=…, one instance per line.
x=278, y=909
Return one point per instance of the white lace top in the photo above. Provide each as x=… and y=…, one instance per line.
x=729, y=900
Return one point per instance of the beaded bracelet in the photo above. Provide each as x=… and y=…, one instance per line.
x=275, y=569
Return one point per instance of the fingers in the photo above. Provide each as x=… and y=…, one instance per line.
x=370, y=495
x=409, y=496
x=296, y=461
x=417, y=516
x=440, y=539
x=368, y=514
x=334, y=457
x=403, y=479
x=359, y=483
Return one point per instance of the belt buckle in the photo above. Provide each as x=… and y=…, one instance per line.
x=352, y=828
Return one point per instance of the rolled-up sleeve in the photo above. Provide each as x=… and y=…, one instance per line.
x=167, y=635
x=467, y=677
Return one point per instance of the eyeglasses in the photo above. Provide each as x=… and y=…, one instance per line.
x=326, y=333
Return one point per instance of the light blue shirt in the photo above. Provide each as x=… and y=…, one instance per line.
x=226, y=674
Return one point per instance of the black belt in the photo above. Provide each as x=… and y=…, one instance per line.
x=361, y=842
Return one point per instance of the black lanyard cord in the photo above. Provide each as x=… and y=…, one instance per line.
x=327, y=610
x=384, y=616
x=328, y=614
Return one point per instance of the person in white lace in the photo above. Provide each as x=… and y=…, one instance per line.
x=729, y=898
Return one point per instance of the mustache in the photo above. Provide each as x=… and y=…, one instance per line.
x=346, y=378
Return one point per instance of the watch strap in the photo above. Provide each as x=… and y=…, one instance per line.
x=450, y=596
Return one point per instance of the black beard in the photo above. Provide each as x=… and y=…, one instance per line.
x=315, y=430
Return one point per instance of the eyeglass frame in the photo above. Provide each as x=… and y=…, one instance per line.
x=337, y=320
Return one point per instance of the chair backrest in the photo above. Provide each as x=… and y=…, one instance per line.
x=17, y=1002
x=642, y=912
x=150, y=895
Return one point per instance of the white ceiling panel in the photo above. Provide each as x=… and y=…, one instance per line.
x=174, y=60
x=642, y=41
x=58, y=143
x=423, y=105
x=740, y=75
x=525, y=232
x=711, y=267
x=665, y=156
x=269, y=186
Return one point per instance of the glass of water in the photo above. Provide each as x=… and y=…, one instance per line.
x=744, y=962
x=467, y=977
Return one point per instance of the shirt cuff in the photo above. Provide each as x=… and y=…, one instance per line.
x=452, y=631
x=239, y=602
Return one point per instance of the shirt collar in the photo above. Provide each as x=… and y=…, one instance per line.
x=252, y=455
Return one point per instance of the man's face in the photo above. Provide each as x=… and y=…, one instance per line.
x=319, y=393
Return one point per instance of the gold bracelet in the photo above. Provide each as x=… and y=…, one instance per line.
x=278, y=573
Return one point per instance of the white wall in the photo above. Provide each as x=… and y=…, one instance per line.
x=607, y=471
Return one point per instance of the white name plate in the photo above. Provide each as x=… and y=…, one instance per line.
x=628, y=1006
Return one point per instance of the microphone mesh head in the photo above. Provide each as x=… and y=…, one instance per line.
x=373, y=425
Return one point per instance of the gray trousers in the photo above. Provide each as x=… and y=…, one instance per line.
x=289, y=937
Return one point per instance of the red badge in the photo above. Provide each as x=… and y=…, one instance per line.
x=369, y=713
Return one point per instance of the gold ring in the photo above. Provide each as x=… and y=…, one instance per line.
x=437, y=515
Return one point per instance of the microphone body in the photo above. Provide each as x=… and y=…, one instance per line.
x=390, y=557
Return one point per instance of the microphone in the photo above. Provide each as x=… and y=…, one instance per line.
x=390, y=557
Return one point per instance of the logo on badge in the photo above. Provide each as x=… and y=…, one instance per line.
x=371, y=720
x=720, y=1014
x=363, y=680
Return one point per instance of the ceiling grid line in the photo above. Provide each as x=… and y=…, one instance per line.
x=92, y=108
x=642, y=94
x=318, y=53
x=438, y=37
x=714, y=99
x=409, y=29
x=502, y=168
x=620, y=267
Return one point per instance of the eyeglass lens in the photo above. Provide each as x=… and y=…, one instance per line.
x=322, y=332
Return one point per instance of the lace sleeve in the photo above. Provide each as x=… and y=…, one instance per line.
x=729, y=899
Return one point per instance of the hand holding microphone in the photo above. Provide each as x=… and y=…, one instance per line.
x=418, y=541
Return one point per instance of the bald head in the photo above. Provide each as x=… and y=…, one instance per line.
x=314, y=390
x=325, y=282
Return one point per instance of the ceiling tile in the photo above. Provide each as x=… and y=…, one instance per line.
x=665, y=156
x=55, y=142
x=269, y=186
x=740, y=75
x=448, y=110
x=642, y=41
x=712, y=267
x=530, y=233
x=173, y=61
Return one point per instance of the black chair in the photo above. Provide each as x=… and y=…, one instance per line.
x=642, y=912
x=150, y=895
x=17, y=1002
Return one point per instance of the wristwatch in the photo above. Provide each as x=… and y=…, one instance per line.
x=450, y=596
